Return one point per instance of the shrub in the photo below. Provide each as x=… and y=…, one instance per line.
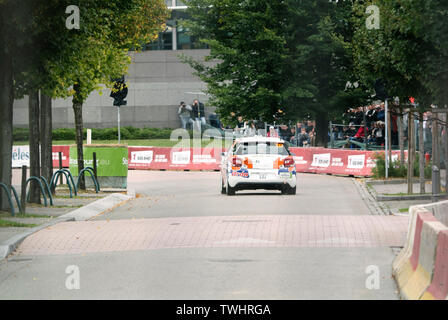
x=397, y=169
x=127, y=133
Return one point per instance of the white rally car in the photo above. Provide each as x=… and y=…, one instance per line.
x=258, y=163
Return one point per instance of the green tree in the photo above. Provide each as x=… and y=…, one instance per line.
x=38, y=52
x=319, y=62
x=89, y=58
x=246, y=40
x=291, y=55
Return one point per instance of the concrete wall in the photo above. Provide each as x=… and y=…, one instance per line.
x=157, y=82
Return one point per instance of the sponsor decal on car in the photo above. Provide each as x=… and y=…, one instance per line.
x=286, y=173
x=243, y=173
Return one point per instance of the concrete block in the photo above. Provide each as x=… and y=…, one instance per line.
x=428, y=244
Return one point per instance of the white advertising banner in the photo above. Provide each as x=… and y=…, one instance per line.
x=20, y=156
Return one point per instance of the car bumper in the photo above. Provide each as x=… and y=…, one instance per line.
x=261, y=179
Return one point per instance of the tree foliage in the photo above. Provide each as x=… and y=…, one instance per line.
x=409, y=50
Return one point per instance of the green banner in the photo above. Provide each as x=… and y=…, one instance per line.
x=112, y=161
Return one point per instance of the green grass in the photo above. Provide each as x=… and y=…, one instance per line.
x=4, y=214
x=9, y=224
x=403, y=210
x=404, y=194
x=142, y=143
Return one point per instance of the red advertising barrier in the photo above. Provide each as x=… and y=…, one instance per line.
x=144, y=158
x=65, y=150
x=310, y=160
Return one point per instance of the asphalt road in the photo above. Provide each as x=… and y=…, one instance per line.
x=192, y=194
x=246, y=267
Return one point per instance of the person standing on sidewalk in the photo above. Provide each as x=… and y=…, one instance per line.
x=184, y=114
x=198, y=113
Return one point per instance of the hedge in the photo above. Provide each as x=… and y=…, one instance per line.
x=127, y=133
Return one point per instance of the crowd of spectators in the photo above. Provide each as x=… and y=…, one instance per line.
x=301, y=134
x=371, y=131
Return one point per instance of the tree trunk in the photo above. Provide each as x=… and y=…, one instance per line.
x=34, y=116
x=46, y=129
x=77, y=108
x=6, y=116
x=322, y=130
x=446, y=152
x=421, y=149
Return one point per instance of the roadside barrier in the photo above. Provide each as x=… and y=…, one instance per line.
x=308, y=160
x=421, y=268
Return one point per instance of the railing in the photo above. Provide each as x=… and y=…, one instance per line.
x=92, y=175
x=8, y=195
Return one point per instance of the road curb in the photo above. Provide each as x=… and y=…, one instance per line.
x=8, y=246
x=85, y=213
x=100, y=206
x=369, y=197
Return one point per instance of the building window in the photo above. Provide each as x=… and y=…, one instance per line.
x=185, y=41
x=175, y=37
x=163, y=42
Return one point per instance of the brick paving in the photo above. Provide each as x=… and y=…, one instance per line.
x=204, y=232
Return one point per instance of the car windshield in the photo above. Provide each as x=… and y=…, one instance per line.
x=275, y=148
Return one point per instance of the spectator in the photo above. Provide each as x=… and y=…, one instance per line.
x=371, y=116
x=303, y=139
x=381, y=113
x=251, y=130
x=198, y=112
x=214, y=120
x=351, y=131
x=285, y=133
x=309, y=127
x=293, y=139
x=272, y=132
x=241, y=125
x=380, y=134
x=184, y=113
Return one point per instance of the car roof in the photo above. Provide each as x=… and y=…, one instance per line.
x=259, y=139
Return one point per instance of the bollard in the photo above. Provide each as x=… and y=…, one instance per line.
x=89, y=136
x=95, y=167
x=60, y=167
x=435, y=183
x=23, y=190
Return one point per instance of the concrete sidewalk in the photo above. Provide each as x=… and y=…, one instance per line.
x=391, y=189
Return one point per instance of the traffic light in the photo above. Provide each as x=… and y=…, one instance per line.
x=119, y=92
x=380, y=89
